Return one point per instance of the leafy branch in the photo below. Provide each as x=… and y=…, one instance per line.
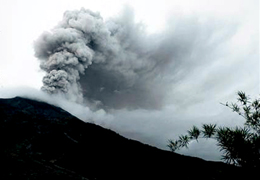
x=240, y=145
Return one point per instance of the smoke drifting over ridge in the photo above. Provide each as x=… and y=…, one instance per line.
x=115, y=63
x=211, y=50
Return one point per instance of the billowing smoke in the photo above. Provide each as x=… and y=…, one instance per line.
x=107, y=63
x=115, y=63
x=155, y=86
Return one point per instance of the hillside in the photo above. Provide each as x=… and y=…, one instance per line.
x=41, y=141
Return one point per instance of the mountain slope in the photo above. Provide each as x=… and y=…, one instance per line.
x=39, y=141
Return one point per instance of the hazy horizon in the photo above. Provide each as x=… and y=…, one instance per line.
x=147, y=70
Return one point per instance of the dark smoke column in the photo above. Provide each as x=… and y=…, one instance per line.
x=110, y=63
x=65, y=52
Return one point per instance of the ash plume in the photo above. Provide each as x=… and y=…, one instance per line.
x=115, y=64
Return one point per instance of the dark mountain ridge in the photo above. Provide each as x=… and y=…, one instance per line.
x=41, y=141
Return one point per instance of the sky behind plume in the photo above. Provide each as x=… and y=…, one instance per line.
x=203, y=52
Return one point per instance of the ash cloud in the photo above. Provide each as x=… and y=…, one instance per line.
x=156, y=86
x=115, y=64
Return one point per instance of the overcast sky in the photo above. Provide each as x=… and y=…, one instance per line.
x=211, y=73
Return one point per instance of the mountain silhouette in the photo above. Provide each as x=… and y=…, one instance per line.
x=42, y=141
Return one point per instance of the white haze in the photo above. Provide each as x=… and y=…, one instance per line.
x=213, y=58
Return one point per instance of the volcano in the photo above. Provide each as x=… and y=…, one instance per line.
x=42, y=141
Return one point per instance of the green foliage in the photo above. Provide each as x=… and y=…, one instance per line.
x=208, y=130
x=194, y=133
x=240, y=145
x=173, y=145
x=184, y=141
x=235, y=144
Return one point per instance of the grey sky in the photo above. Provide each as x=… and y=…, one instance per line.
x=212, y=48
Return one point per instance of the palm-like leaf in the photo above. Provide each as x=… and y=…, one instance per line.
x=174, y=145
x=240, y=145
x=235, y=108
x=209, y=130
x=184, y=141
x=256, y=104
x=242, y=97
x=194, y=133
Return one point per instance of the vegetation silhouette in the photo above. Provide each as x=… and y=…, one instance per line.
x=41, y=141
x=240, y=145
